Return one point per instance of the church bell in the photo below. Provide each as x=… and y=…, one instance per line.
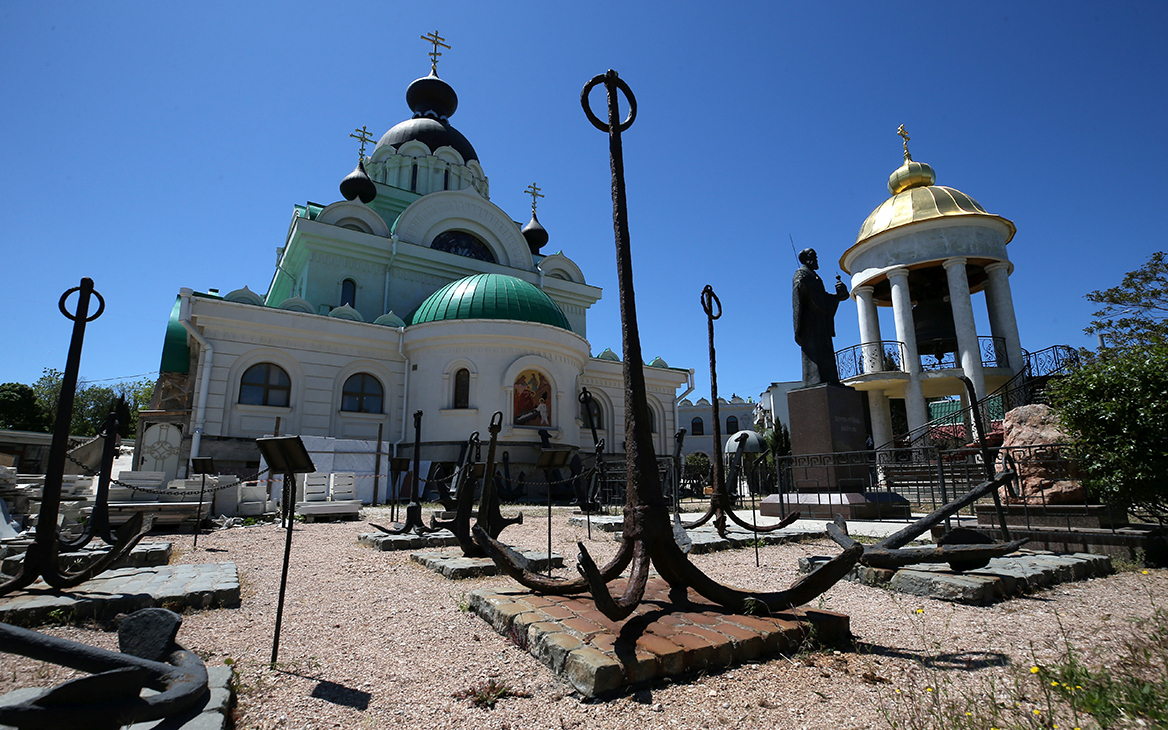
x=933, y=322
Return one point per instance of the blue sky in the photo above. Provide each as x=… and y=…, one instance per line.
x=152, y=146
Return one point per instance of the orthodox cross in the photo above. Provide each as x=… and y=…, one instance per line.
x=363, y=135
x=533, y=191
x=434, y=54
x=904, y=134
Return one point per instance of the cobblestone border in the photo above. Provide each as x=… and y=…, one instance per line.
x=381, y=541
x=1020, y=573
x=175, y=587
x=456, y=566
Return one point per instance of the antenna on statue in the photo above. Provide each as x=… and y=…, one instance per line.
x=793, y=247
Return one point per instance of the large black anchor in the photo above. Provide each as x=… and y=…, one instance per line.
x=111, y=696
x=414, y=508
x=586, y=493
x=648, y=538
x=40, y=560
x=489, y=514
x=720, y=507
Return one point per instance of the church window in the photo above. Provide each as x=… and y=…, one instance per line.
x=731, y=424
x=533, y=400
x=462, y=244
x=362, y=394
x=349, y=293
x=697, y=427
x=652, y=422
x=414, y=177
x=265, y=384
x=597, y=415
x=462, y=388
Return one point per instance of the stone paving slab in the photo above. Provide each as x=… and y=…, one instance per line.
x=144, y=554
x=176, y=587
x=211, y=714
x=409, y=541
x=706, y=539
x=1016, y=574
x=456, y=566
x=604, y=523
x=599, y=657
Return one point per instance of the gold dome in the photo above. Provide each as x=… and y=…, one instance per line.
x=910, y=175
x=915, y=198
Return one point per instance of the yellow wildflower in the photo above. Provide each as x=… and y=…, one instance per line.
x=1034, y=670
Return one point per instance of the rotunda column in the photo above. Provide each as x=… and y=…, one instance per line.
x=1000, y=304
x=914, y=397
x=881, y=418
x=870, y=346
x=963, y=322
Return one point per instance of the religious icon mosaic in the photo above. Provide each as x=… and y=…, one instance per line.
x=533, y=400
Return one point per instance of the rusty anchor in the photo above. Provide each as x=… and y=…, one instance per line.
x=40, y=560
x=720, y=507
x=648, y=539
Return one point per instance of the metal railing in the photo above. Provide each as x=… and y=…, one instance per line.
x=898, y=483
x=870, y=357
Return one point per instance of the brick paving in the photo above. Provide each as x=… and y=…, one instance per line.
x=177, y=587
x=663, y=638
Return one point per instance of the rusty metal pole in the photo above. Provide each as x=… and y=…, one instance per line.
x=377, y=464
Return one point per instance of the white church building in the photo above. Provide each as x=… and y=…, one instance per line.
x=414, y=292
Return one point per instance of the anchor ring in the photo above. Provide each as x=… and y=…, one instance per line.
x=73, y=317
x=585, y=396
x=606, y=79
x=709, y=299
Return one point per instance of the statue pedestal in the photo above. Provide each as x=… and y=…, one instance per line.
x=826, y=419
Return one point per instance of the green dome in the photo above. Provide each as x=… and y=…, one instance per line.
x=490, y=296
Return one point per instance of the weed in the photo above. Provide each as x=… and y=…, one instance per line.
x=1134, y=565
x=463, y=603
x=1130, y=690
x=487, y=694
x=60, y=616
x=517, y=635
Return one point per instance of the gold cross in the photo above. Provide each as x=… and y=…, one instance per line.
x=363, y=135
x=533, y=191
x=434, y=54
x=904, y=134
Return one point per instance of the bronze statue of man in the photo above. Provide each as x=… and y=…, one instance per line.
x=815, y=320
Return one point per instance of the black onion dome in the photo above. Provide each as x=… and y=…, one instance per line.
x=433, y=102
x=535, y=234
x=357, y=184
x=431, y=96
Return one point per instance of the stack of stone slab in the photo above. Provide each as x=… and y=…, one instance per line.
x=76, y=496
x=329, y=495
x=253, y=499
x=173, y=506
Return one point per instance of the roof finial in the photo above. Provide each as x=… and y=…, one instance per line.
x=902, y=133
x=533, y=191
x=434, y=54
x=363, y=135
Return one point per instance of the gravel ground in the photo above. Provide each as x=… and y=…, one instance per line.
x=370, y=639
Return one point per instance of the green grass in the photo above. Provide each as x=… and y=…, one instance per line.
x=487, y=694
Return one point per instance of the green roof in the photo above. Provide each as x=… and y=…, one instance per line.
x=176, y=354
x=490, y=296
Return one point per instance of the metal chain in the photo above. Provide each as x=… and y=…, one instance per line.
x=149, y=490
x=583, y=475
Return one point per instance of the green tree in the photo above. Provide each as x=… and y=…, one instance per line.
x=92, y=403
x=1135, y=313
x=19, y=410
x=696, y=467
x=1115, y=407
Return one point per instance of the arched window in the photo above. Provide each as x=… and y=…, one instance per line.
x=463, y=244
x=362, y=394
x=697, y=427
x=652, y=422
x=597, y=415
x=462, y=388
x=265, y=384
x=349, y=293
x=731, y=424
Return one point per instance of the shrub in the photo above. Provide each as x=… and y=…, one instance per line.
x=1116, y=409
